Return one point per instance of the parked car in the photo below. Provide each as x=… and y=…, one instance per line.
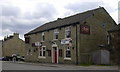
x=2, y=58
x=14, y=57
x=22, y=58
x=17, y=57
x=5, y=59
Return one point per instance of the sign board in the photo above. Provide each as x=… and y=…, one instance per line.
x=65, y=41
x=84, y=29
x=37, y=44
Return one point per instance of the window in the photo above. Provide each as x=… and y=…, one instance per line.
x=42, y=52
x=56, y=34
x=31, y=51
x=108, y=39
x=27, y=39
x=33, y=44
x=68, y=32
x=60, y=52
x=49, y=52
x=68, y=52
x=43, y=36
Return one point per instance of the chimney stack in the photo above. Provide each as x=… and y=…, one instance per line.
x=16, y=34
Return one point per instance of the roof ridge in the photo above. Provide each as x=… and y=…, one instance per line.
x=48, y=23
x=75, y=14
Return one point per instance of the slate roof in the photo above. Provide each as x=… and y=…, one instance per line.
x=65, y=21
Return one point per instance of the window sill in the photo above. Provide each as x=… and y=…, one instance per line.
x=42, y=41
x=68, y=38
x=41, y=57
x=55, y=39
x=67, y=58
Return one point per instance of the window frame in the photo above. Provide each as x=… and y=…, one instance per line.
x=31, y=51
x=27, y=40
x=49, y=53
x=60, y=53
x=65, y=53
x=108, y=39
x=68, y=31
x=55, y=35
x=41, y=51
x=43, y=36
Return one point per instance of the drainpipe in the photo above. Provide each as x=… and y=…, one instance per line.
x=76, y=45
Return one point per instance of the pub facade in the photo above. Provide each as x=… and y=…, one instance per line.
x=69, y=40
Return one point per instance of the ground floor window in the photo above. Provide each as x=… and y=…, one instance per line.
x=42, y=51
x=49, y=52
x=60, y=52
x=67, y=52
x=29, y=52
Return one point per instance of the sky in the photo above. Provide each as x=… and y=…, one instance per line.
x=22, y=16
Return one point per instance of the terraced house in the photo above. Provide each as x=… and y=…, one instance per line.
x=13, y=45
x=114, y=37
x=69, y=40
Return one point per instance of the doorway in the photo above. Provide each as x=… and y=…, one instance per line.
x=54, y=55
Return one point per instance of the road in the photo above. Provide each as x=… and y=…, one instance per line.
x=39, y=66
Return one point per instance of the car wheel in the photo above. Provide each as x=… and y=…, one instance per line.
x=14, y=59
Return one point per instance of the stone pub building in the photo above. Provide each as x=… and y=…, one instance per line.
x=69, y=40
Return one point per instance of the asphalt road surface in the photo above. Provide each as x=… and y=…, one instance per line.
x=39, y=66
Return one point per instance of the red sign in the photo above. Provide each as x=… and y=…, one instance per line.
x=84, y=29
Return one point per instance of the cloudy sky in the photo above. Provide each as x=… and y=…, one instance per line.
x=22, y=16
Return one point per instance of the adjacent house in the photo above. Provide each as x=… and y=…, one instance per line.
x=0, y=48
x=69, y=40
x=114, y=43
x=13, y=45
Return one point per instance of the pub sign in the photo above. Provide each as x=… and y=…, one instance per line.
x=84, y=29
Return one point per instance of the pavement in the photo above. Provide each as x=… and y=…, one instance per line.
x=68, y=67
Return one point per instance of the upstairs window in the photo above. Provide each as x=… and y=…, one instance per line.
x=56, y=34
x=28, y=52
x=27, y=40
x=108, y=39
x=43, y=36
x=68, y=32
